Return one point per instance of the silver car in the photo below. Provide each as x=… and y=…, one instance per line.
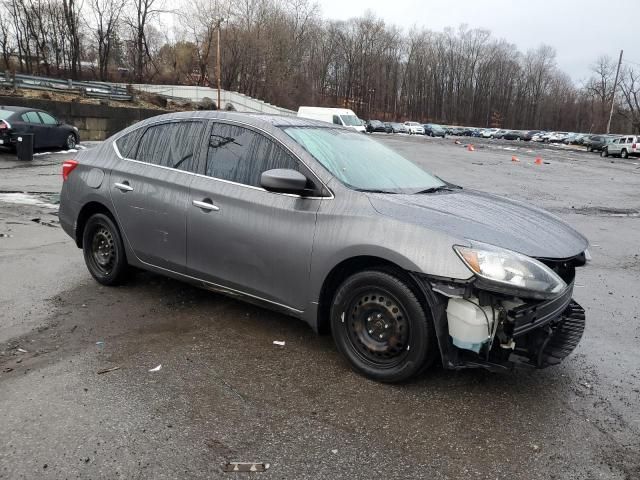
x=330, y=226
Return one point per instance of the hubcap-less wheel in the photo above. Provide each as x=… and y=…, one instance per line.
x=378, y=328
x=381, y=327
x=103, y=250
x=71, y=141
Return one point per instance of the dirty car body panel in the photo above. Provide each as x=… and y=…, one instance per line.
x=207, y=220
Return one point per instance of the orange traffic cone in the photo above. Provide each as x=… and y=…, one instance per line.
x=514, y=159
x=538, y=161
x=470, y=148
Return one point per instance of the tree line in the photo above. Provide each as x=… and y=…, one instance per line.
x=285, y=52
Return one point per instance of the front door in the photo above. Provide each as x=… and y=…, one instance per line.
x=241, y=236
x=150, y=190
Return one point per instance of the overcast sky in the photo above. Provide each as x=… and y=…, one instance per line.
x=579, y=30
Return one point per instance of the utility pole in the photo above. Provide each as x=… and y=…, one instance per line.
x=217, y=26
x=613, y=95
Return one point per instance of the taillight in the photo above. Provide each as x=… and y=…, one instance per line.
x=633, y=146
x=4, y=125
x=68, y=167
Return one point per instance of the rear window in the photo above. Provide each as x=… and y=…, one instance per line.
x=171, y=145
x=4, y=114
x=128, y=144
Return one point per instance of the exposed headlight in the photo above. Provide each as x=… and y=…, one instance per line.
x=510, y=269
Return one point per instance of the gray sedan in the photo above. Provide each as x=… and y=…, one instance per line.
x=330, y=226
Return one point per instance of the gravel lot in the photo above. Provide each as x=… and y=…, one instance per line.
x=225, y=392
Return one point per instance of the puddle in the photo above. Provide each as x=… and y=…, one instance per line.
x=49, y=200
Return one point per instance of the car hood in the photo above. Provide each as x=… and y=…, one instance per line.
x=483, y=217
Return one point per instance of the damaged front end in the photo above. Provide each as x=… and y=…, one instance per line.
x=485, y=324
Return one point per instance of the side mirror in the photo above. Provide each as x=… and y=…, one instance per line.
x=283, y=181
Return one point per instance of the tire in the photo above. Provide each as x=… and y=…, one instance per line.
x=379, y=325
x=71, y=142
x=624, y=154
x=103, y=250
x=604, y=153
x=590, y=149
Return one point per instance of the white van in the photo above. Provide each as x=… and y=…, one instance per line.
x=339, y=116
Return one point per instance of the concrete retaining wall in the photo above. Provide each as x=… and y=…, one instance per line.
x=95, y=122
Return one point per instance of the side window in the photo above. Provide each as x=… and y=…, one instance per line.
x=336, y=120
x=128, y=144
x=171, y=145
x=47, y=119
x=630, y=140
x=241, y=155
x=31, y=117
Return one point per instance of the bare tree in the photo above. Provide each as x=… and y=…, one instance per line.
x=106, y=15
x=630, y=87
x=144, y=13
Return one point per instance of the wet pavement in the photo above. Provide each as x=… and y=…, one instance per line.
x=225, y=392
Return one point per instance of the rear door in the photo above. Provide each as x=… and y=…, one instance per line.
x=54, y=136
x=247, y=238
x=150, y=189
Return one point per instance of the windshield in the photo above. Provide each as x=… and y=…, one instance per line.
x=4, y=114
x=351, y=120
x=361, y=162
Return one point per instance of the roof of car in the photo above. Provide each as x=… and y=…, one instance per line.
x=11, y=108
x=262, y=120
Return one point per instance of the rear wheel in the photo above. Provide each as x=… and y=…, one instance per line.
x=624, y=154
x=104, y=250
x=604, y=153
x=381, y=327
x=70, y=142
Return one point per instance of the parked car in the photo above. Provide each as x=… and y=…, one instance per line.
x=335, y=228
x=433, y=130
x=500, y=133
x=489, y=132
x=46, y=129
x=414, y=128
x=624, y=147
x=530, y=134
x=377, y=126
x=556, y=137
x=597, y=142
x=513, y=135
x=399, y=127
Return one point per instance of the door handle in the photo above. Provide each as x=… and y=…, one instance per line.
x=206, y=205
x=123, y=187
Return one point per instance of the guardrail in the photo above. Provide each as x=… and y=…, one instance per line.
x=89, y=89
x=240, y=101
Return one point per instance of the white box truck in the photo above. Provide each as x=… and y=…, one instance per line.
x=339, y=116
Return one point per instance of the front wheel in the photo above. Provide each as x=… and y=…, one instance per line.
x=381, y=327
x=104, y=250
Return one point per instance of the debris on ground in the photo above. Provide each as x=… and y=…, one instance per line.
x=245, y=467
x=107, y=370
x=156, y=369
x=21, y=350
x=334, y=451
x=279, y=342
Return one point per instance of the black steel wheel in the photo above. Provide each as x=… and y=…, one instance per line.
x=71, y=142
x=103, y=250
x=381, y=327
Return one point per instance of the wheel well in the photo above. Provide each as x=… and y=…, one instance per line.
x=84, y=215
x=346, y=268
